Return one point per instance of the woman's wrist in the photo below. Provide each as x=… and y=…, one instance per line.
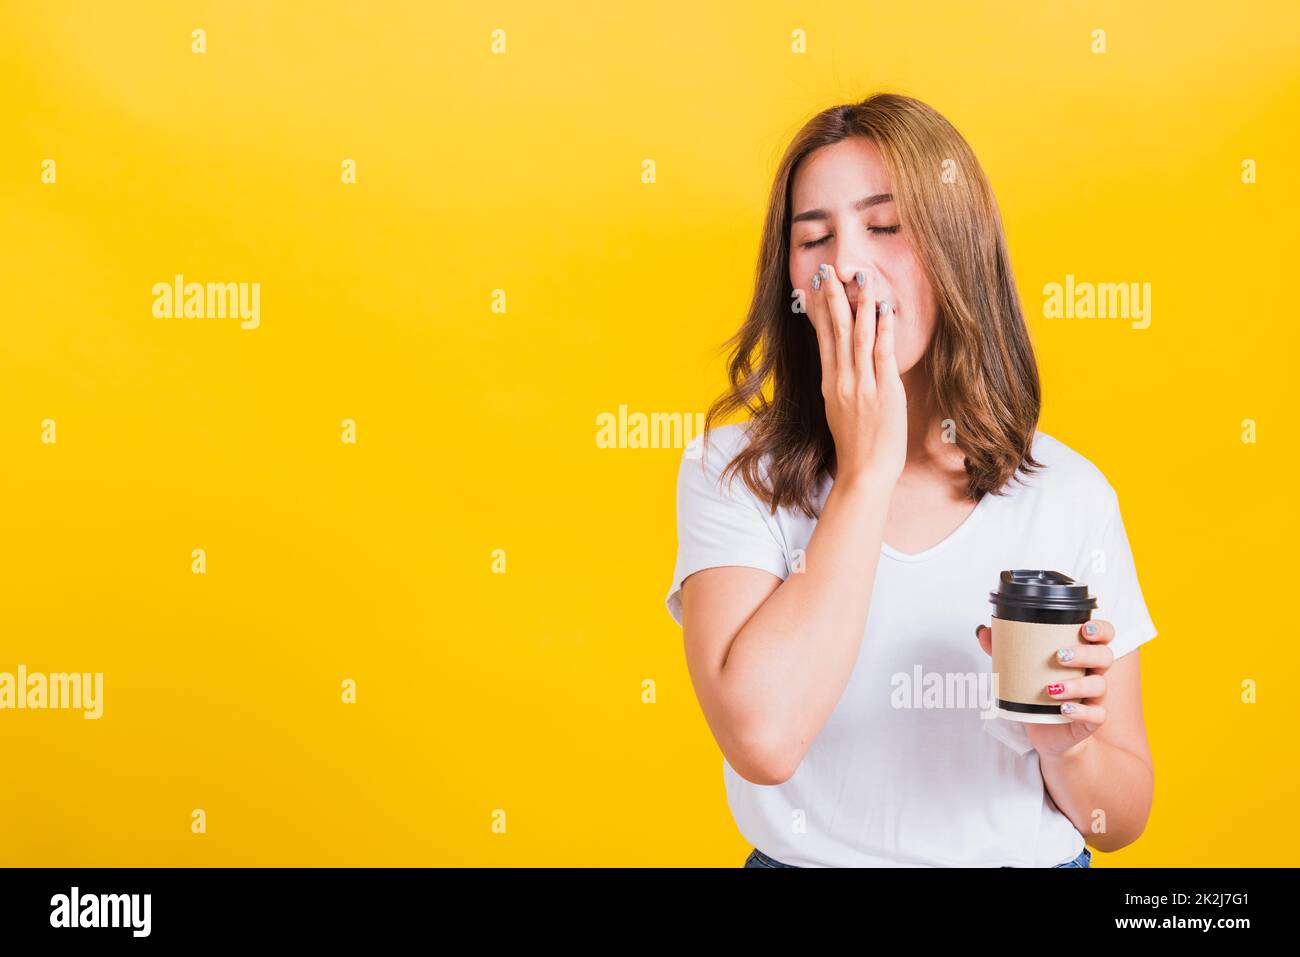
x=870, y=483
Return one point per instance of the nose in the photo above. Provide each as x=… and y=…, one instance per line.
x=850, y=257
x=847, y=267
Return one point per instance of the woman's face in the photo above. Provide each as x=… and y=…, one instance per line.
x=839, y=218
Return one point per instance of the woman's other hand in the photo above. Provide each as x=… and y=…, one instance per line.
x=1082, y=698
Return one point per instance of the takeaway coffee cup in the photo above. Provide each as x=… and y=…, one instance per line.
x=1035, y=613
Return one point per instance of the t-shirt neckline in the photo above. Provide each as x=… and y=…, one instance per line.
x=937, y=548
x=963, y=529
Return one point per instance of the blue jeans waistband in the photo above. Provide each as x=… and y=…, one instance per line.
x=758, y=859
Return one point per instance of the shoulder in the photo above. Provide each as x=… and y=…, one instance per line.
x=1070, y=476
x=731, y=437
x=724, y=443
x=704, y=462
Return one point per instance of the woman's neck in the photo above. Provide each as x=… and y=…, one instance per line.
x=927, y=452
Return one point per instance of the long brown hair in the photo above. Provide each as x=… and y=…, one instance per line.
x=980, y=364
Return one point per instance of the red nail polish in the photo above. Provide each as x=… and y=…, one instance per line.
x=1056, y=688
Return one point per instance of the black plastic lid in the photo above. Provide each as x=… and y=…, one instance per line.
x=1038, y=589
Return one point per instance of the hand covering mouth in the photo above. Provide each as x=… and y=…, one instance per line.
x=853, y=307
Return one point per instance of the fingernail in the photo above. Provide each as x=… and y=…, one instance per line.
x=1056, y=688
x=822, y=268
x=817, y=280
x=977, y=630
x=1067, y=708
x=1090, y=629
x=1065, y=654
x=861, y=277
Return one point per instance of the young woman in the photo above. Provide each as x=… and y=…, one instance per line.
x=837, y=550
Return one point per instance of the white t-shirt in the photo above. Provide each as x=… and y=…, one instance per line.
x=889, y=782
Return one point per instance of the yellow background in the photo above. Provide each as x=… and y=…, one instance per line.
x=476, y=429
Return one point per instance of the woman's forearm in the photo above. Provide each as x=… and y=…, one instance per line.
x=794, y=656
x=1105, y=791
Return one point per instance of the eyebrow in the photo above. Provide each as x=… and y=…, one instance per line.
x=865, y=203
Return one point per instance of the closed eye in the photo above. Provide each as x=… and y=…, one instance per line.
x=886, y=230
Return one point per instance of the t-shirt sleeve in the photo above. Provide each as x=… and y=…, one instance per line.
x=716, y=526
x=1110, y=571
